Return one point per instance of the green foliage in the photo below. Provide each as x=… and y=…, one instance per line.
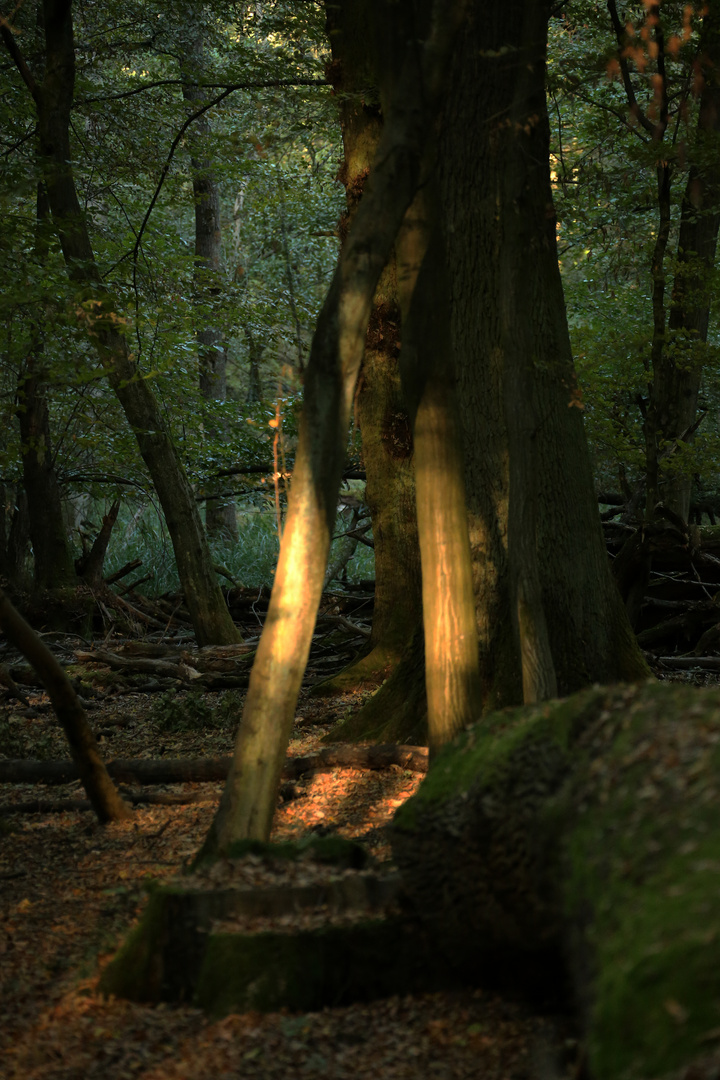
x=176, y=711
x=272, y=149
x=605, y=190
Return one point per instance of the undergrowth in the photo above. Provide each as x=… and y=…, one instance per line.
x=250, y=562
x=191, y=711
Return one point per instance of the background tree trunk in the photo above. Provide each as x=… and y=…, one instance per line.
x=211, y=619
x=676, y=381
x=220, y=515
x=53, y=564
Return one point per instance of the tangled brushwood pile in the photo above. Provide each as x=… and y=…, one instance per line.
x=669, y=576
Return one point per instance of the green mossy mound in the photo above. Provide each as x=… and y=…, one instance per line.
x=590, y=827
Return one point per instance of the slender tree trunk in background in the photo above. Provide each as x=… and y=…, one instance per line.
x=106, y=329
x=494, y=161
x=255, y=349
x=380, y=409
x=677, y=378
x=101, y=791
x=54, y=568
x=53, y=563
x=452, y=676
x=248, y=802
x=220, y=515
x=15, y=538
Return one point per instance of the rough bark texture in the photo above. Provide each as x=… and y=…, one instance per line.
x=381, y=413
x=94, y=776
x=452, y=677
x=498, y=206
x=586, y=828
x=248, y=801
x=53, y=99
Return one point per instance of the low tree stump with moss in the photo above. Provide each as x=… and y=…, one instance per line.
x=300, y=946
x=587, y=828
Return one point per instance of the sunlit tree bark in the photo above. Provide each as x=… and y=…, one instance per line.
x=380, y=408
x=248, y=801
x=452, y=677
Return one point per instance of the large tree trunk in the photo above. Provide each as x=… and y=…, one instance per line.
x=452, y=676
x=500, y=230
x=248, y=801
x=53, y=99
x=380, y=408
x=220, y=516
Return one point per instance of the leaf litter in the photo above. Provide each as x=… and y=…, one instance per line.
x=70, y=891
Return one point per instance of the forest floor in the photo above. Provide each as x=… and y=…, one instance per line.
x=70, y=890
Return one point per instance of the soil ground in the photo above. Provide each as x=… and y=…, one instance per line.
x=70, y=890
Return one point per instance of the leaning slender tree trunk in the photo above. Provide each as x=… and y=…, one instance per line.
x=101, y=791
x=53, y=100
x=248, y=801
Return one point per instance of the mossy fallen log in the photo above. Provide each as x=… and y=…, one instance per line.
x=590, y=827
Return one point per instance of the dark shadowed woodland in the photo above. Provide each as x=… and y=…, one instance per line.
x=360, y=540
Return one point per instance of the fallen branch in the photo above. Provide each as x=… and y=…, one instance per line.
x=690, y=663
x=204, y=770
x=136, y=798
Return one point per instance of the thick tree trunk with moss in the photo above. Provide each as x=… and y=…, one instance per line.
x=380, y=409
x=497, y=206
x=562, y=833
x=106, y=328
x=220, y=515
